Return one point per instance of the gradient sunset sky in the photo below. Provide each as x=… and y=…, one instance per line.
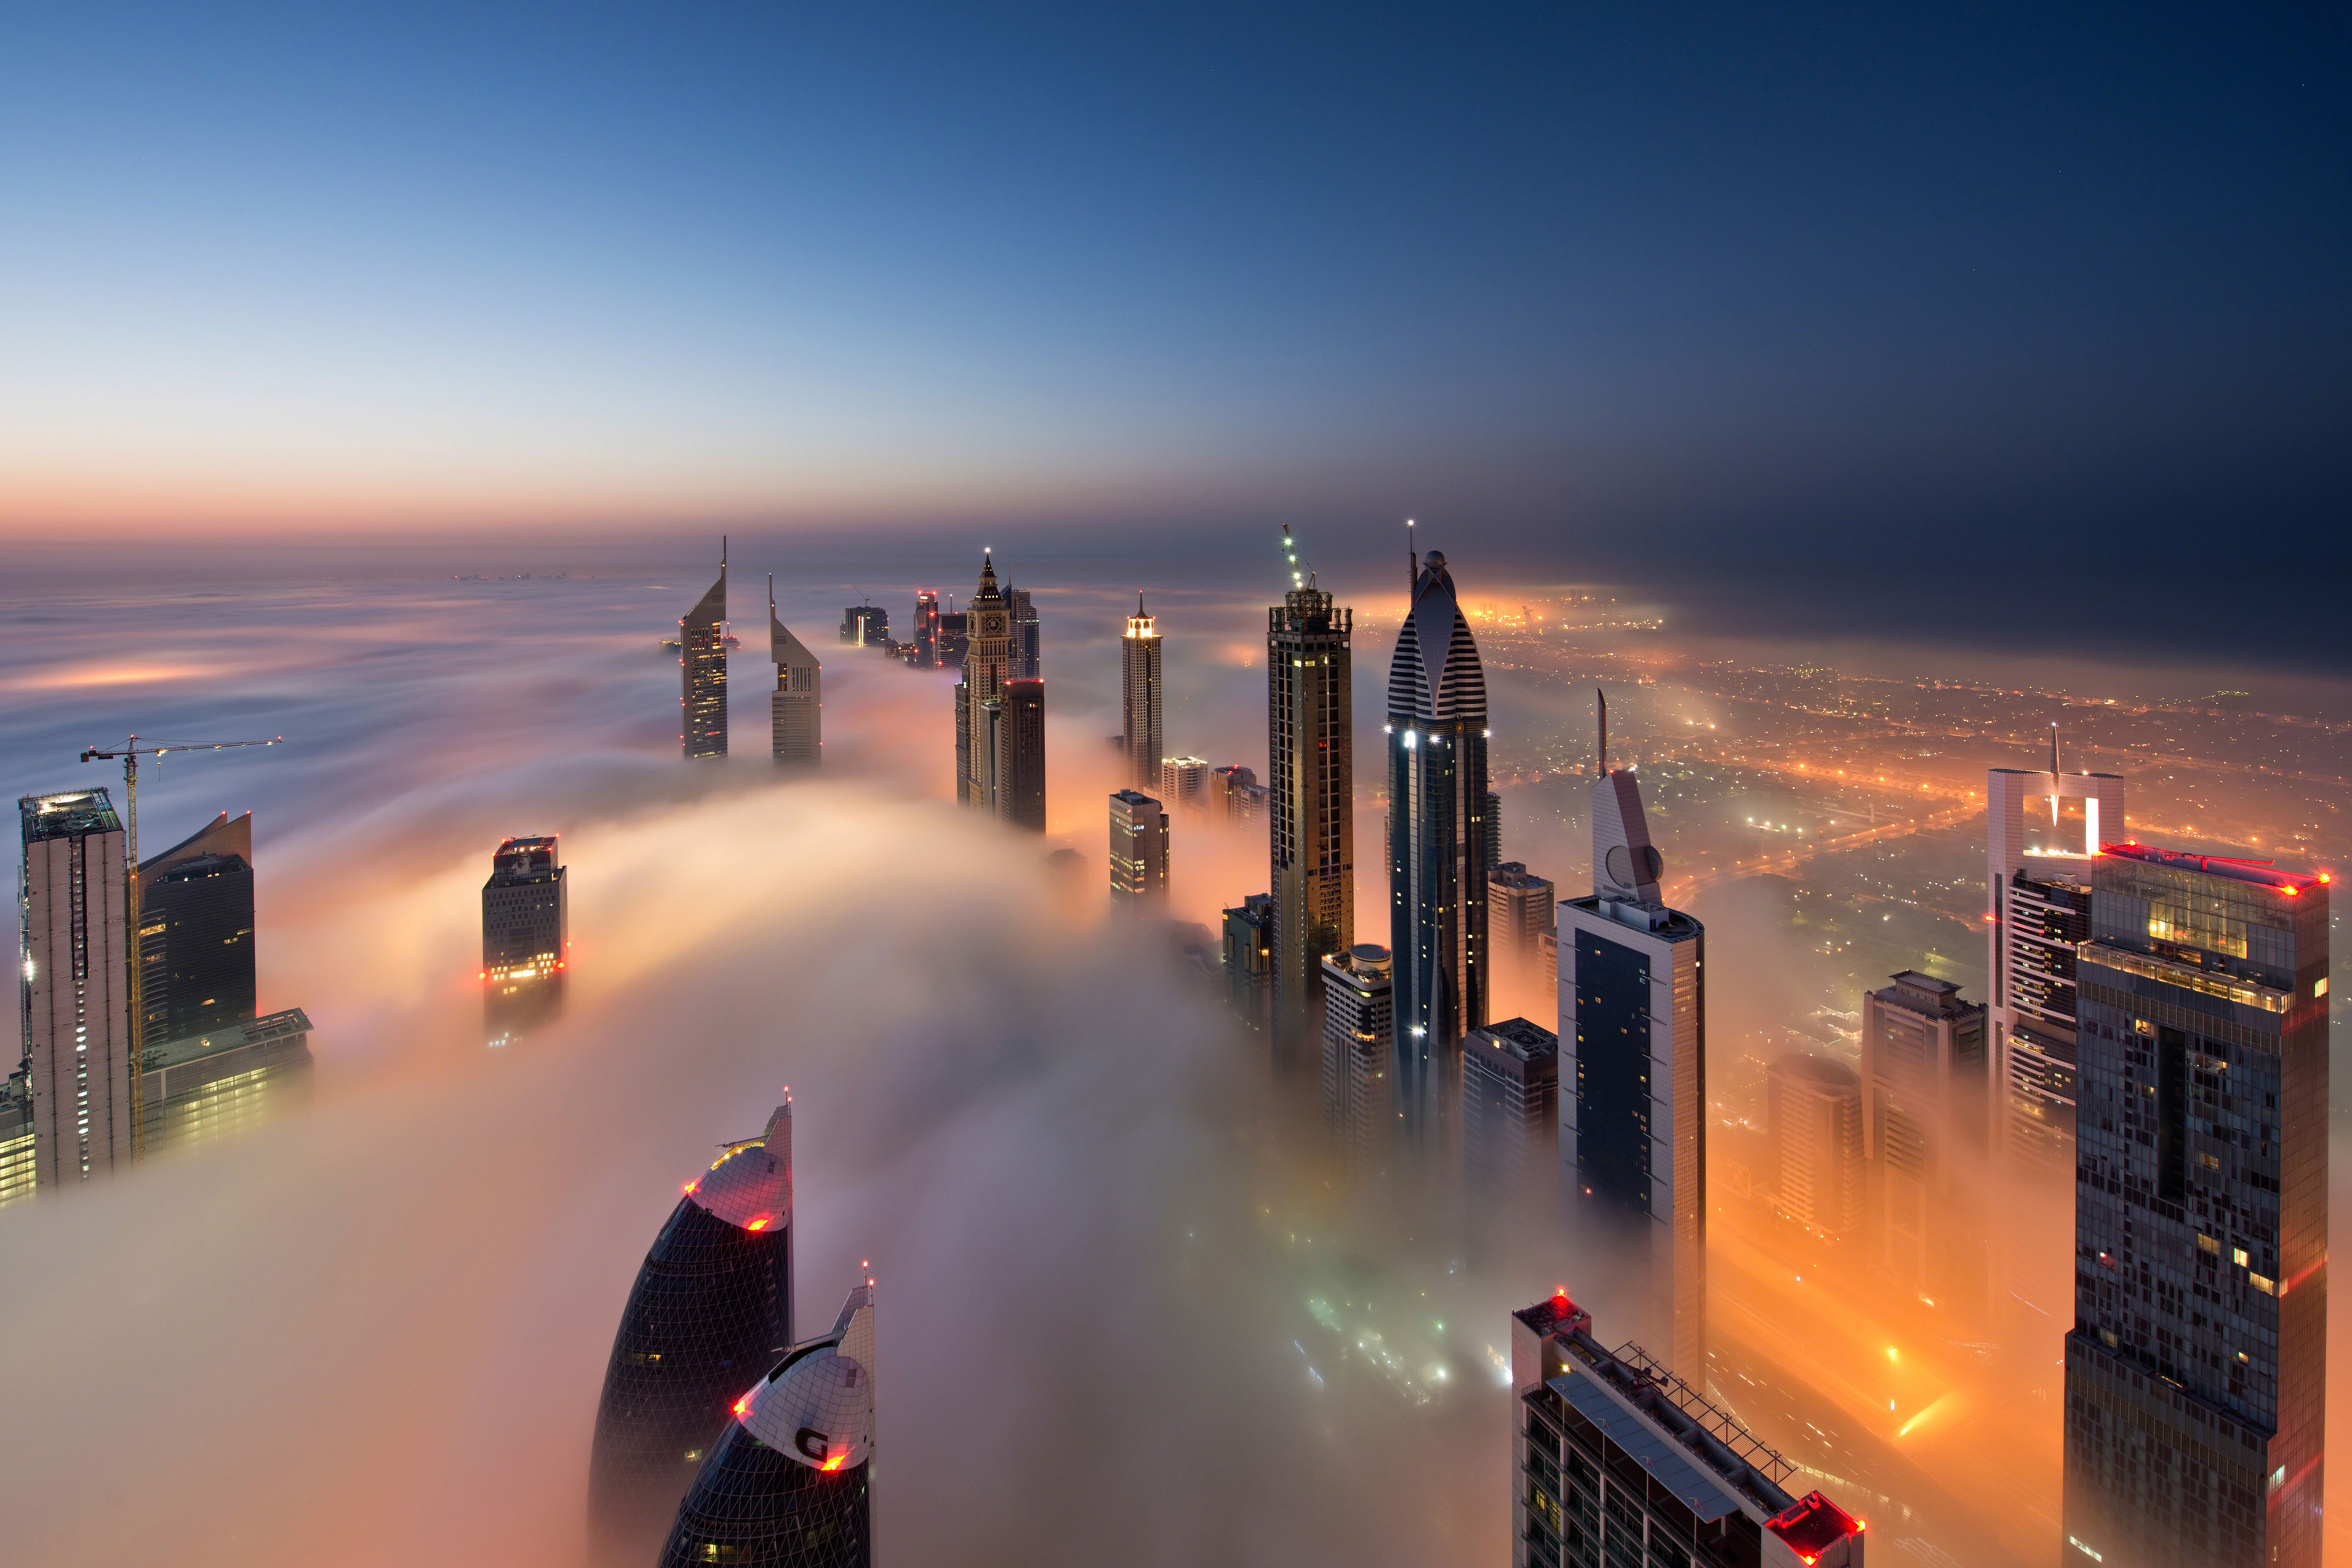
x=1825, y=280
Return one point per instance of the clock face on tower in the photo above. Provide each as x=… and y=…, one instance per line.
x=992, y=625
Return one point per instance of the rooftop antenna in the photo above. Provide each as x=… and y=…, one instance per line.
x=1601, y=755
x=2053, y=776
x=1412, y=563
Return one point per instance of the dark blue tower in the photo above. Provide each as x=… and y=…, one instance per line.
x=710, y=1312
x=1437, y=840
x=789, y=1485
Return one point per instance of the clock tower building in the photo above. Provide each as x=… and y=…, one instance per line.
x=979, y=696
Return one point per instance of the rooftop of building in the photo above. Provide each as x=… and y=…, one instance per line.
x=750, y=1186
x=1926, y=995
x=1814, y=1525
x=1653, y=920
x=1521, y=1038
x=1514, y=874
x=271, y=1028
x=1826, y=1071
x=2262, y=873
x=68, y=815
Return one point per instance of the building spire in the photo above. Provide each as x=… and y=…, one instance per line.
x=1601, y=754
x=1412, y=564
x=2054, y=748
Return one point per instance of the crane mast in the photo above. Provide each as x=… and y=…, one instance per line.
x=130, y=752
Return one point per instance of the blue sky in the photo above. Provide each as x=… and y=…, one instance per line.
x=1779, y=282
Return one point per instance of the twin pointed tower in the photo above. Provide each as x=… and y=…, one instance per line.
x=796, y=706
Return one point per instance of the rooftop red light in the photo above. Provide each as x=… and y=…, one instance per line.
x=1814, y=1525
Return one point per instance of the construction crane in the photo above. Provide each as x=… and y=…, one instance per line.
x=131, y=751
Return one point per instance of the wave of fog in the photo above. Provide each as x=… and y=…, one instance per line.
x=376, y=1331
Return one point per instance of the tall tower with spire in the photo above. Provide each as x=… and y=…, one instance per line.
x=1437, y=836
x=796, y=708
x=980, y=695
x=702, y=667
x=1632, y=1065
x=1311, y=795
x=1139, y=698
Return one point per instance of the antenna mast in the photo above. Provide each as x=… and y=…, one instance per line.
x=1601, y=757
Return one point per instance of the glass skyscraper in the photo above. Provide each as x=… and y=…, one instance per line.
x=525, y=914
x=1437, y=850
x=196, y=932
x=790, y=1482
x=796, y=708
x=1310, y=793
x=1633, y=1070
x=2197, y=1368
x=702, y=671
x=1139, y=697
x=709, y=1313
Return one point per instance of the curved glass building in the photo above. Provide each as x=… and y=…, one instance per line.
x=711, y=1310
x=789, y=1485
x=1438, y=834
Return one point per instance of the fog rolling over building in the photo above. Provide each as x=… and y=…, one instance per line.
x=1021, y=755
x=1249, y=960
x=74, y=986
x=796, y=708
x=1520, y=917
x=1139, y=697
x=2197, y=1367
x=1813, y=1114
x=927, y=630
x=1236, y=794
x=2042, y=832
x=1925, y=1086
x=1511, y=1108
x=710, y=1312
x=789, y=1484
x=1633, y=1096
x=1310, y=793
x=978, y=696
x=1359, y=1112
x=868, y=625
x=1616, y=1462
x=195, y=932
x=702, y=670
x=1028, y=655
x=1139, y=850
x=1184, y=783
x=1437, y=842
x=525, y=937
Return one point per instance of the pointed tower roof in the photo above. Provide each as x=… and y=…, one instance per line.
x=1434, y=676
x=711, y=608
x=785, y=650
x=988, y=589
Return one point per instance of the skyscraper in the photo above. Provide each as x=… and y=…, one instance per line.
x=927, y=630
x=796, y=708
x=1184, y=782
x=987, y=666
x=2197, y=1367
x=1249, y=960
x=709, y=1313
x=1437, y=836
x=195, y=932
x=1618, y=1461
x=1028, y=661
x=73, y=906
x=868, y=625
x=1234, y=794
x=1021, y=755
x=2042, y=831
x=1923, y=1088
x=1510, y=1107
x=1633, y=1096
x=1139, y=697
x=199, y=1088
x=1139, y=850
x=1490, y=818
x=1518, y=917
x=1358, y=1047
x=525, y=937
x=788, y=1485
x=702, y=667
x=1813, y=1109
x=1310, y=793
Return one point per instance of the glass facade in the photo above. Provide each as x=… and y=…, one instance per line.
x=1613, y=1072
x=709, y=1314
x=2196, y=1369
x=195, y=947
x=1310, y=793
x=752, y=1507
x=702, y=672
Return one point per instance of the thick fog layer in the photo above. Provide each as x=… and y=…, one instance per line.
x=1126, y=1309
